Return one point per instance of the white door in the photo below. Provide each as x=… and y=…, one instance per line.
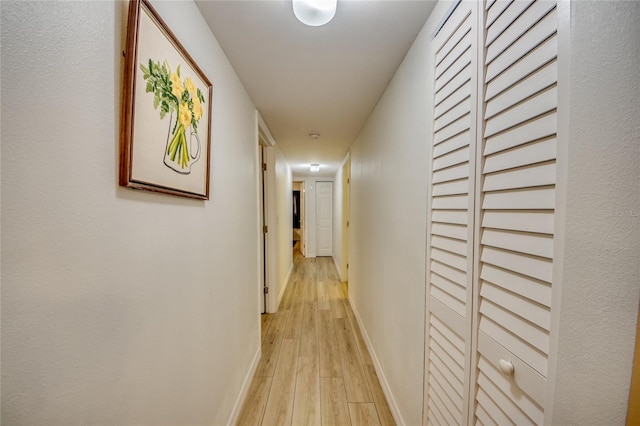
x=324, y=218
x=450, y=250
x=491, y=214
x=517, y=184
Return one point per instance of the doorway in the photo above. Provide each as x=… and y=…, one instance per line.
x=298, y=217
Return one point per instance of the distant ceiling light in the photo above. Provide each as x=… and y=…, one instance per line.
x=314, y=136
x=314, y=12
x=315, y=168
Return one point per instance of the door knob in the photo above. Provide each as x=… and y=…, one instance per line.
x=506, y=367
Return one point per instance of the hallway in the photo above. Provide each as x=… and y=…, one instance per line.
x=315, y=368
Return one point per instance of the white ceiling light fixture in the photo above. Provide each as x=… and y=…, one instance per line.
x=315, y=168
x=314, y=12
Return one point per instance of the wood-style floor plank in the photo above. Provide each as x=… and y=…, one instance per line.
x=355, y=379
x=344, y=287
x=271, y=345
x=333, y=402
x=309, y=333
x=251, y=414
x=279, y=407
x=363, y=414
x=285, y=302
x=294, y=322
x=309, y=269
x=336, y=300
x=321, y=269
x=306, y=404
x=266, y=322
x=382, y=407
x=362, y=347
x=330, y=354
x=311, y=293
x=324, y=296
x=315, y=368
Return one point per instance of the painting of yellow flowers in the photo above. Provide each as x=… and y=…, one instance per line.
x=166, y=125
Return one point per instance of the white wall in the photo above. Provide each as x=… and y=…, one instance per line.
x=339, y=221
x=283, y=222
x=388, y=230
x=600, y=229
x=601, y=267
x=118, y=307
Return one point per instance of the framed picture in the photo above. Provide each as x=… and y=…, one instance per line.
x=165, y=137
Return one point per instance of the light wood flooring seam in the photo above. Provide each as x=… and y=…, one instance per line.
x=315, y=368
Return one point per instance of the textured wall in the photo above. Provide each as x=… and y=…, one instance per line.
x=310, y=216
x=338, y=211
x=284, y=219
x=388, y=227
x=118, y=307
x=601, y=268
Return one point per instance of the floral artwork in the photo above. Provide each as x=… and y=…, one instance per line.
x=165, y=143
x=182, y=98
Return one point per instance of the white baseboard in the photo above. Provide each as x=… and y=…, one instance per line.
x=284, y=288
x=393, y=405
x=335, y=262
x=244, y=390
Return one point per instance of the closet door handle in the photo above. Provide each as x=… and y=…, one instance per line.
x=506, y=367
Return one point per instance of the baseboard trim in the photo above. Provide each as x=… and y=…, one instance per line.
x=284, y=288
x=393, y=405
x=244, y=390
x=335, y=262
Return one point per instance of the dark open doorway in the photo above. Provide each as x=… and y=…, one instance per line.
x=296, y=209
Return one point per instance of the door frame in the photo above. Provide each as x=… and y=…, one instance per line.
x=346, y=213
x=263, y=214
x=266, y=261
x=303, y=219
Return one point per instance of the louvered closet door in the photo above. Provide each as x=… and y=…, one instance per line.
x=450, y=224
x=517, y=202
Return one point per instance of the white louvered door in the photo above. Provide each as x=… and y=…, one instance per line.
x=450, y=224
x=517, y=202
x=491, y=214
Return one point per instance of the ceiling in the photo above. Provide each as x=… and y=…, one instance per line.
x=324, y=80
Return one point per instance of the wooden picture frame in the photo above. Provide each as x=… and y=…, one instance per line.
x=165, y=139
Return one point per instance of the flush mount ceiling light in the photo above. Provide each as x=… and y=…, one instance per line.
x=315, y=168
x=314, y=12
x=314, y=136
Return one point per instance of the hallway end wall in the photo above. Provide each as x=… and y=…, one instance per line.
x=118, y=307
x=310, y=212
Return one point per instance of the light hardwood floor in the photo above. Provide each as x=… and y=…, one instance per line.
x=315, y=368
